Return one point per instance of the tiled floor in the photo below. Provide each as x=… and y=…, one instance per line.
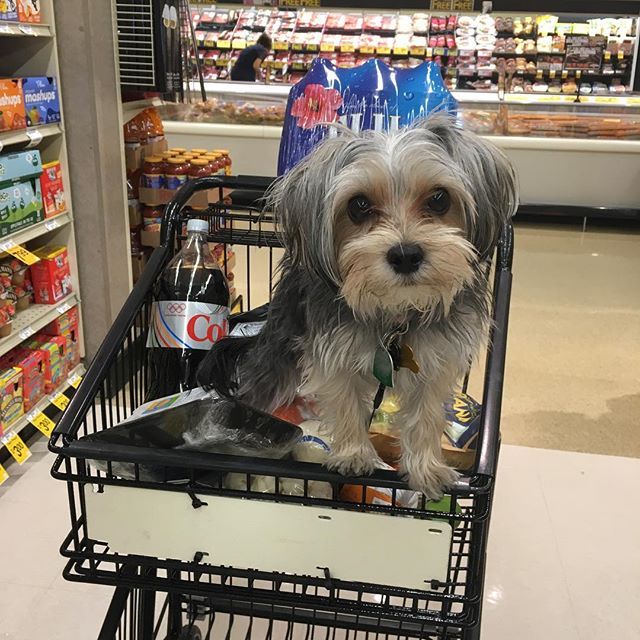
x=563, y=560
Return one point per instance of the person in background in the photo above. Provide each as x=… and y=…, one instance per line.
x=247, y=66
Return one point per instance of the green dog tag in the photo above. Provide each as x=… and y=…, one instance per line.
x=383, y=367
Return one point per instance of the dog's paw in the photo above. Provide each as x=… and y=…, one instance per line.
x=354, y=460
x=432, y=480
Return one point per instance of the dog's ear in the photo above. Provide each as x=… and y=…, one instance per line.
x=301, y=203
x=489, y=176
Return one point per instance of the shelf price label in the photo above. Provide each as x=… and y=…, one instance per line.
x=35, y=138
x=41, y=422
x=27, y=332
x=17, y=448
x=50, y=225
x=5, y=28
x=63, y=308
x=17, y=251
x=60, y=400
x=27, y=30
x=3, y=474
x=75, y=380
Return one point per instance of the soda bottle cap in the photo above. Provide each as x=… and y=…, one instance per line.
x=195, y=224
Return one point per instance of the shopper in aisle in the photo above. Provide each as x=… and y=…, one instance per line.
x=247, y=66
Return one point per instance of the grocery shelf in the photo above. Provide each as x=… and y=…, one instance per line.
x=36, y=317
x=20, y=29
x=30, y=137
x=36, y=230
x=22, y=421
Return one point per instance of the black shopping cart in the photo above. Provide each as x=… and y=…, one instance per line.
x=191, y=557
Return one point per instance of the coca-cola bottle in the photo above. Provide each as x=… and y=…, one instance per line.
x=190, y=313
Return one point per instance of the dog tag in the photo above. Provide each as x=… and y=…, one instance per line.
x=383, y=367
x=407, y=360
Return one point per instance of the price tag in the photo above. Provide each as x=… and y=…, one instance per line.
x=552, y=73
x=75, y=380
x=27, y=332
x=224, y=44
x=50, y=225
x=60, y=400
x=35, y=138
x=384, y=51
x=3, y=474
x=17, y=448
x=327, y=47
x=417, y=51
x=280, y=46
x=296, y=46
x=400, y=51
x=27, y=30
x=41, y=422
x=313, y=47
x=620, y=54
x=5, y=28
x=239, y=43
x=63, y=308
x=440, y=51
x=367, y=49
x=17, y=251
x=347, y=48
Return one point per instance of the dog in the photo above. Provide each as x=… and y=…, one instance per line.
x=387, y=238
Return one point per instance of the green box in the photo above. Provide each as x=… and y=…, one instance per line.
x=20, y=206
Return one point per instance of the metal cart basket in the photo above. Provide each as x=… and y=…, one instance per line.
x=193, y=558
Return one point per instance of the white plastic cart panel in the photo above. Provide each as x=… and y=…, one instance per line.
x=267, y=536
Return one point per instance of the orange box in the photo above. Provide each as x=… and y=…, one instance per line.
x=29, y=11
x=12, y=113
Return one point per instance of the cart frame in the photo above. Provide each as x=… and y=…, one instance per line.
x=115, y=384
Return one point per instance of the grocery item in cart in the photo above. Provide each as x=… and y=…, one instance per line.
x=195, y=421
x=190, y=314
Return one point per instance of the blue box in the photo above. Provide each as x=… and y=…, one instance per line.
x=16, y=167
x=41, y=100
x=8, y=10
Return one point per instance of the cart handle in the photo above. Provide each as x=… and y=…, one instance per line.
x=489, y=435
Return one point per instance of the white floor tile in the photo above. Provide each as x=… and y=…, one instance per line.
x=563, y=558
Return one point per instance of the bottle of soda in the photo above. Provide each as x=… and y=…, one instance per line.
x=190, y=313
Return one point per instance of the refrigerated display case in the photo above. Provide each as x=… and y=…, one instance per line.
x=568, y=154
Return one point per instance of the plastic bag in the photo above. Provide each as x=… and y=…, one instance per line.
x=371, y=96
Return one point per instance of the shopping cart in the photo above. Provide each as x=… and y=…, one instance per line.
x=192, y=558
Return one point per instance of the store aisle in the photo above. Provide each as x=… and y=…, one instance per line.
x=563, y=562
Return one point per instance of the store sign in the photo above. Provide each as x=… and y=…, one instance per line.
x=584, y=53
x=441, y=5
x=462, y=5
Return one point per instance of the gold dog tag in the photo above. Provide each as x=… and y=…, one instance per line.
x=407, y=361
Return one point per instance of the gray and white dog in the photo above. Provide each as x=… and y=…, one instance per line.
x=386, y=234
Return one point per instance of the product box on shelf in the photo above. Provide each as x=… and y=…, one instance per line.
x=32, y=364
x=8, y=10
x=20, y=206
x=12, y=111
x=73, y=348
x=54, y=350
x=51, y=275
x=29, y=11
x=52, y=189
x=11, y=403
x=19, y=166
x=138, y=262
x=41, y=100
x=63, y=323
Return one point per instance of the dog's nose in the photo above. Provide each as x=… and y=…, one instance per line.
x=405, y=258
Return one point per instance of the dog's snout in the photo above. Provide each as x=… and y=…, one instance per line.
x=405, y=258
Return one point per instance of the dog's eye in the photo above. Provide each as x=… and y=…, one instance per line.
x=438, y=202
x=360, y=209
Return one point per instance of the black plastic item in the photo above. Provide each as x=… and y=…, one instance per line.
x=233, y=598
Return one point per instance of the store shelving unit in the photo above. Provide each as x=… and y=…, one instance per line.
x=30, y=50
x=24, y=421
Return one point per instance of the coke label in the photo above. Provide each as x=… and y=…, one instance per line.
x=177, y=324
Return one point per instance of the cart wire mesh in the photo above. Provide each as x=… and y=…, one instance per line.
x=248, y=602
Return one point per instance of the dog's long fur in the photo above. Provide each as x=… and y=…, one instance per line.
x=338, y=297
